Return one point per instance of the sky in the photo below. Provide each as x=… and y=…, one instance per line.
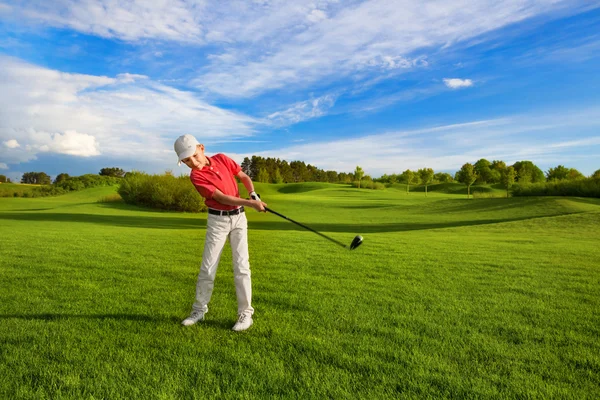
x=381, y=84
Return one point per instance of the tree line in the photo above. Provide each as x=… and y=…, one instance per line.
x=4, y=179
x=42, y=178
x=275, y=170
x=63, y=183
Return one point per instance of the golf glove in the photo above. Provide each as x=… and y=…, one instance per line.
x=255, y=196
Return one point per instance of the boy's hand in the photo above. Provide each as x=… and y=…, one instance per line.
x=258, y=205
x=254, y=196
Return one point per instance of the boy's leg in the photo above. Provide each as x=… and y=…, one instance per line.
x=241, y=265
x=217, y=228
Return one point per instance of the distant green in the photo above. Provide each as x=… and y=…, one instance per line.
x=9, y=189
x=448, y=297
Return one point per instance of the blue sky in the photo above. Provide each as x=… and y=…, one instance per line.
x=387, y=85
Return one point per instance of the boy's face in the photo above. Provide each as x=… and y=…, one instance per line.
x=197, y=161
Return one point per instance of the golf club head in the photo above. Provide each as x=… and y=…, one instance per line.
x=357, y=241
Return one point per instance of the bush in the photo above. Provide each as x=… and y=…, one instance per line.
x=87, y=181
x=588, y=187
x=164, y=192
x=112, y=198
x=369, y=185
x=47, y=190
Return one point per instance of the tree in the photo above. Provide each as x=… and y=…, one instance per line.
x=409, y=177
x=508, y=178
x=286, y=172
x=298, y=170
x=596, y=174
x=2, y=179
x=344, y=177
x=528, y=172
x=277, y=178
x=255, y=165
x=443, y=177
x=358, y=174
x=246, y=166
x=29, y=177
x=37, y=178
x=426, y=175
x=574, y=174
x=467, y=176
x=496, y=170
x=557, y=174
x=332, y=176
x=483, y=170
x=116, y=172
x=61, y=178
x=263, y=175
x=44, y=179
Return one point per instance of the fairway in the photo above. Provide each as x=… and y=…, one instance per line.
x=447, y=297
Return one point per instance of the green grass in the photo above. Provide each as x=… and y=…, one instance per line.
x=437, y=189
x=447, y=297
x=8, y=189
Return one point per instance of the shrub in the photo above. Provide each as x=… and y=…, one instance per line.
x=164, y=192
x=71, y=184
x=368, y=184
x=587, y=187
x=48, y=190
x=112, y=198
x=479, y=194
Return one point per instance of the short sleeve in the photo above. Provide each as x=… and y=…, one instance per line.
x=231, y=165
x=203, y=187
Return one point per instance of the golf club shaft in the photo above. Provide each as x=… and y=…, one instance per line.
x=306, y=227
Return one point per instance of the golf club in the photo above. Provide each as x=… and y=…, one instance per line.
x=357, y=241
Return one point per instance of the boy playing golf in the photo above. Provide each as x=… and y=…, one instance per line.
x=214, y=179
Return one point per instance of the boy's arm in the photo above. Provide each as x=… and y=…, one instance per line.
x=247, y=181
x=237, y=201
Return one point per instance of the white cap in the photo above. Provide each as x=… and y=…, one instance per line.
x=185, y=146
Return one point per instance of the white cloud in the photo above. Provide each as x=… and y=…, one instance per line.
x=316, y=15
x=3, y=166
x=12, y=144
x=369, y=36
x=128, y=20
x=304, y=110
x=195, y=21
x=130, y=78
x=266, y=45
x=71, y=143
x=455, y=83
x=42, y=110
x=537, y=138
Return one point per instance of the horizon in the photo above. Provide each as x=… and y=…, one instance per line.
x=96, y=84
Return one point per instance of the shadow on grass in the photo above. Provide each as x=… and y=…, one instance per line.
x=125, y=317
x=126, y=221
x=151, y=222
x=220, y=323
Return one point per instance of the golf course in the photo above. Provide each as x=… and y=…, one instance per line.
x=447, y=297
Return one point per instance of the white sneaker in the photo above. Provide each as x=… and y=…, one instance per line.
x=244, y=322
x=194, y=317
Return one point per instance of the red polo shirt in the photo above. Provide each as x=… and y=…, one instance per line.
x=218, y=175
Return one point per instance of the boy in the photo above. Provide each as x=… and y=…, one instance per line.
x=214, y=179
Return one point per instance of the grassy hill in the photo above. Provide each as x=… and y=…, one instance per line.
x=8, y=189
x=454, y=188
x=447, y=297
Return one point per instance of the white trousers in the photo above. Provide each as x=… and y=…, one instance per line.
x=218, y=229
